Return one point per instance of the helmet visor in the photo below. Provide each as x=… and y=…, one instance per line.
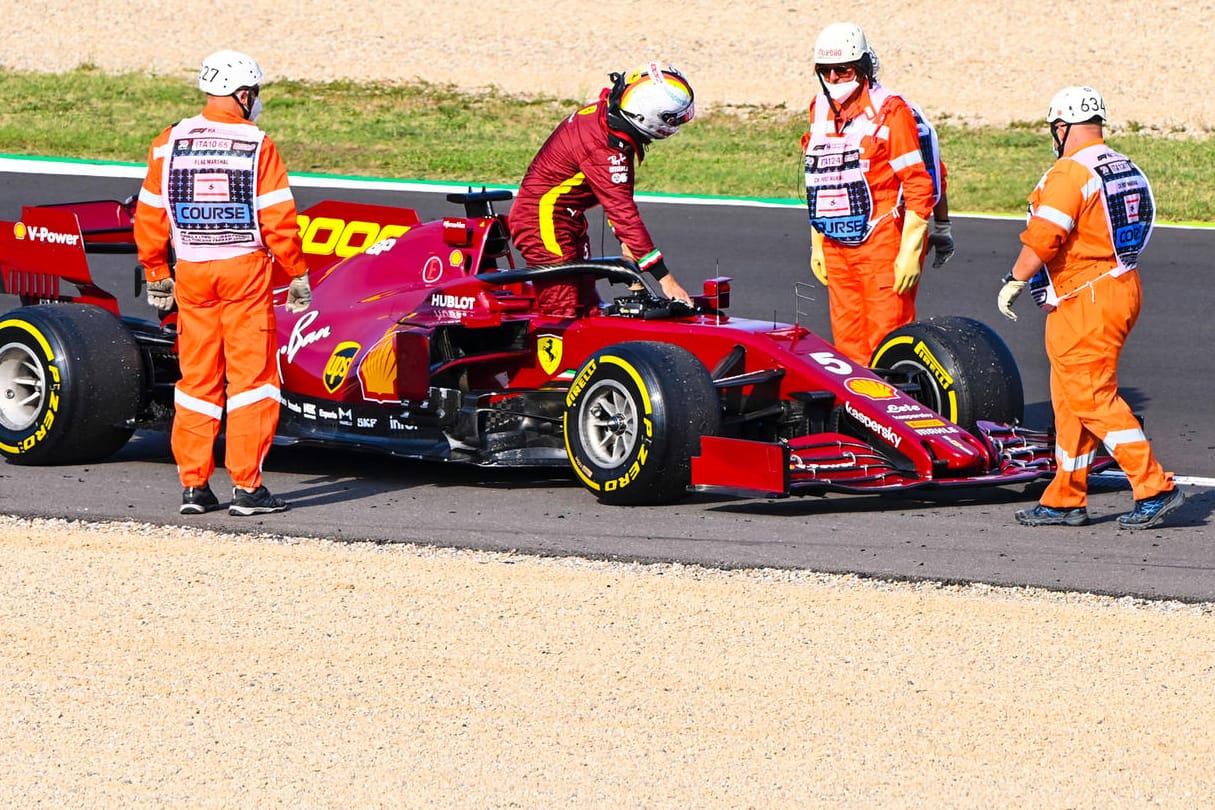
x=679, y=118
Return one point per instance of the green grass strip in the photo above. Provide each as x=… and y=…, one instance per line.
x=421, y=131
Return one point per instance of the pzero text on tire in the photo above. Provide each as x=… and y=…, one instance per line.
x=634, y=417
x=961, y=369
x=71, y=381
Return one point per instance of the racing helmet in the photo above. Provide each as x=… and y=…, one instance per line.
x=1076, y=105
x=844, y=43
x=224, y=72
x=654, y=100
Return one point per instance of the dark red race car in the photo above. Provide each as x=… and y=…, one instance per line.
x=422, y=342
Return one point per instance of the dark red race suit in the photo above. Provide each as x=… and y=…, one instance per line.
x=582, y=164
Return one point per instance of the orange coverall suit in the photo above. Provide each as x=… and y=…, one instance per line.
x=226, y=325
x=877, y=137
x=1085, y=333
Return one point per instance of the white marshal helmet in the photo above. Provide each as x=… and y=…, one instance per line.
x=1076, y=105
x=840, y=43
x=657, y=100
x=224, y=72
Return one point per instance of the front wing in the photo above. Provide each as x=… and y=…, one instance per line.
x=835, y=462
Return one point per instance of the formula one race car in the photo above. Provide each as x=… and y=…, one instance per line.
x=423, y=342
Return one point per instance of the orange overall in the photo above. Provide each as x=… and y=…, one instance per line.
x=1085, y=333
x=226, y=325
x=864, y=306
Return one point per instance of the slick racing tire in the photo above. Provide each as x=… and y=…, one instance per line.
x=71, y=383
x=959, y=367
x=634, y=417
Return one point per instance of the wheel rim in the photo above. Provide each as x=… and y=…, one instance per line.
x=22, y=387
x=926, y=393
x=608, y=424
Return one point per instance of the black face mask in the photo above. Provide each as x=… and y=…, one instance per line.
x=253, y=108
x=1054, y=136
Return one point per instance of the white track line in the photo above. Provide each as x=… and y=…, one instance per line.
x=1183, y=480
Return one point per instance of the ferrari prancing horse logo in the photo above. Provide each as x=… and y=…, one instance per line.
x=548, y=348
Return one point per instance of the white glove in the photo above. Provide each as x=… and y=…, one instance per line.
x=299, y=294
x=941, y=242
x=1008, y=296
x=160, y=294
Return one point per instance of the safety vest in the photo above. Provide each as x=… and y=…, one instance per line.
x=1127, y=199
x=210, y=189
x=1129, y=208
x=837, y=191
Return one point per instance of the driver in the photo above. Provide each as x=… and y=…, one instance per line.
x=588, y=160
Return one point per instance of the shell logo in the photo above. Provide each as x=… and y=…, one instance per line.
x=378, y=372
x=19, y=230
x=870, y=389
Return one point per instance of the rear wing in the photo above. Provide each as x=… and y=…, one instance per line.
x=47, y=247
x=108, y=226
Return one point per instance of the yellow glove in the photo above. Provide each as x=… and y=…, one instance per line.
x=818, y=264
x=907, y=263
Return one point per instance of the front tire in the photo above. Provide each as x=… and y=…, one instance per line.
x=71, y=383
x=961, y=368
x=634, y=418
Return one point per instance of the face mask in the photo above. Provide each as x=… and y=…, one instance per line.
x=255, y=110
x=843, y=90
x=1058, y=136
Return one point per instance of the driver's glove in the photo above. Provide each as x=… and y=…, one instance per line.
x=299, y=294
x=160, y=294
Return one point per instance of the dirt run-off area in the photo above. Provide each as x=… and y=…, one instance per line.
x=153, y=666
x=145, y=666
x=963, y=61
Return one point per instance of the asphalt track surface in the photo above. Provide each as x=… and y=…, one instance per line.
x=950, y=536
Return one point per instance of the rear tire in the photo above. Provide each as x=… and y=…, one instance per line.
x=71, y=384
x=963, y=369
x=634, y=418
